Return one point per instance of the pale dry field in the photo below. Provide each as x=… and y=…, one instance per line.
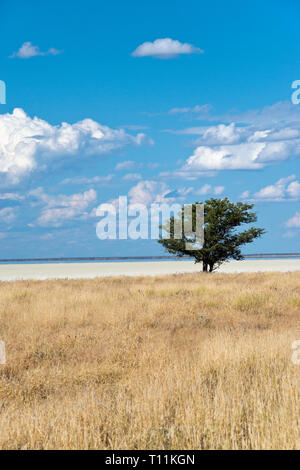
x=45, y=271
x=194, y=361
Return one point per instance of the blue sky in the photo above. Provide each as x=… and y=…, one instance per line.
x=142, y=99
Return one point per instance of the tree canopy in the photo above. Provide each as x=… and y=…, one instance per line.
x=222, y=236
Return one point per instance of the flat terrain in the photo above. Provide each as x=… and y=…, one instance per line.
x=194, y=361
x=12, y=272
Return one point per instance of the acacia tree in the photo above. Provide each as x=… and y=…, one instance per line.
x=222, y=237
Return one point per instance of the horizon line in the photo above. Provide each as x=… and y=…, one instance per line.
x=120, y=258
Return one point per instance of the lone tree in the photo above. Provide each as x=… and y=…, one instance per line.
x=222, y=239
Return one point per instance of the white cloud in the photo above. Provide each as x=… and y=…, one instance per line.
x=221, y=134
x=209, y=189
x=277, y=113
x=218, y=190
x=280, y=122
x=245, y=194
x=186, y=174
x=239, y=148
x=126, y=165
x=61, y=208
x=11, y=196
x=132, y=177
x=232, y=148
x=294, y=222
x=195, y=130
x=7, y=215
x=274, y=191
x=294, y=189
x=28, y=144
x=249, y=141
x=180, y=194
x=270, y=192
x=165, y=48
x=183, y=192
x=205, y=108
x=28, y=50
x=206, y=188
x=134, y=127
x=285, y=189
x=237, y=157
x=85, y=180
x=148, y=192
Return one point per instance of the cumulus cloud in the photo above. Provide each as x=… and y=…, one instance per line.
x=28, y=50
x=294, y=222
x=236, y=148
x=244, y=141
x=217, y=190
x=285, y=189
x=180, y=193
x=274, y=191
x=7, y=215
x=245, y=194
x=280, y=121
x=165, y=48
x=222, y=134
x=148, y=192
x=209, y=189
x=59, y=209
x=28, y=144
x=294, y=189
x=239, y=157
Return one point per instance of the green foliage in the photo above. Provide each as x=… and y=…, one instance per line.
x=222, y=239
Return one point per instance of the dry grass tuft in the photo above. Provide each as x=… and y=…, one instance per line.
x=174, y=362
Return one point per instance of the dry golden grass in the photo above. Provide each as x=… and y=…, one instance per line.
x=176, y=362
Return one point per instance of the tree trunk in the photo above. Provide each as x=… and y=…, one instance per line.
x=205, y=266
x=211, y=267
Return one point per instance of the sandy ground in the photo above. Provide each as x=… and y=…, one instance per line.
x=11, y=272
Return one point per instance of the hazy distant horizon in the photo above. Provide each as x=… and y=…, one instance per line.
x=138, y=258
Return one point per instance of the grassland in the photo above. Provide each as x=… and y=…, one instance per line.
x=190, y=361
